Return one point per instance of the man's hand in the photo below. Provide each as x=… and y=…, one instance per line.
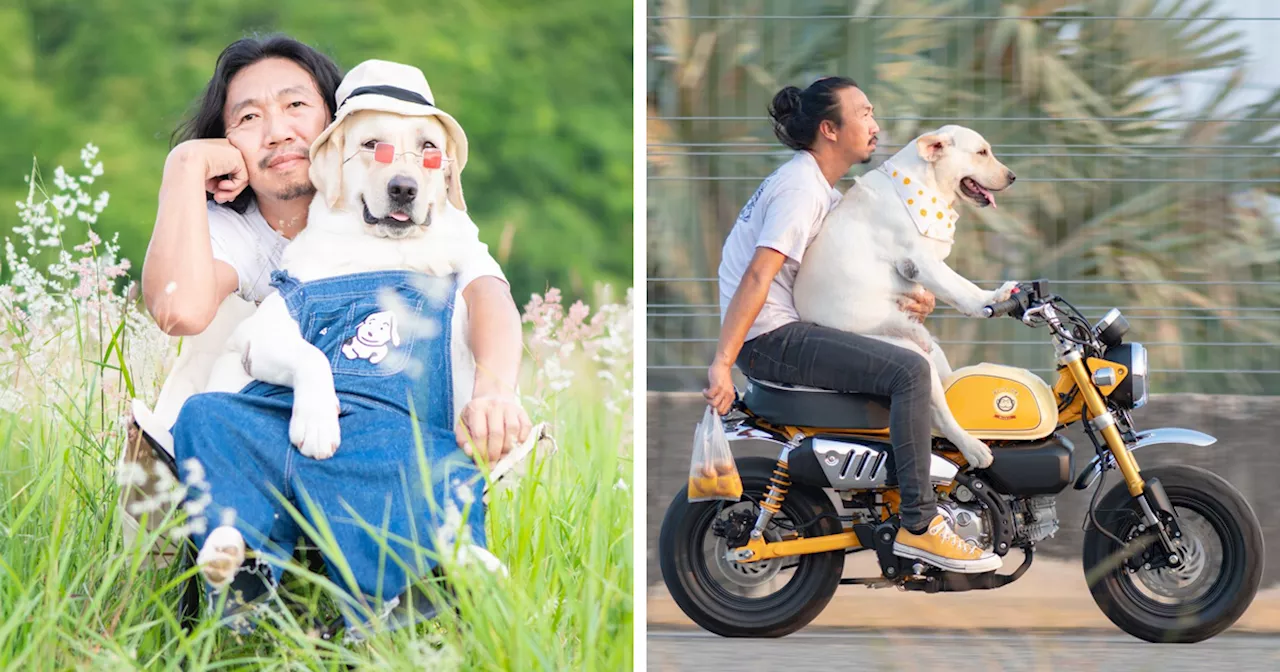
x=719, y=393
x=917, y=304
x=497, y=423
x=224, y=171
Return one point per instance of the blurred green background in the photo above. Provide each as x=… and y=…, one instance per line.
x=1145, y=135
x=543, y=90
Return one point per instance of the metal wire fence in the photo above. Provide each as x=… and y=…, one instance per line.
x=1165, y=209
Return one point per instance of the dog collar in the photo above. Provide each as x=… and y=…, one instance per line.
x=928, y=209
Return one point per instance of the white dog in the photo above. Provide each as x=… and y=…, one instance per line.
x=344, y=236
x=374, y=210
x=372, y=336
x=890, y=234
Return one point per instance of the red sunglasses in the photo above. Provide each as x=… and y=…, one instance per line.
x=385, y=152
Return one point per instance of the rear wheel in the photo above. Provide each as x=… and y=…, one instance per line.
x=1221, y=553
x=770, y=598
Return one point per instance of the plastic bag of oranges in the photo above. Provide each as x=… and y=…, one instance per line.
x=712, y=472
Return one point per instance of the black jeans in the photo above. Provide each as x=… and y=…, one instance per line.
x=803, y=353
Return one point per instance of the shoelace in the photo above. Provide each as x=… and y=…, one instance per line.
x=948, y=536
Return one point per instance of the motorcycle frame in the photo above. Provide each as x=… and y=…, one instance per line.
x=1113, y=451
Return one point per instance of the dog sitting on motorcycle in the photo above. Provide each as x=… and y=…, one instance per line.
x=831, y=126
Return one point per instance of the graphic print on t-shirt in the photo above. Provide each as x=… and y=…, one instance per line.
x=745, y=213
x=372, y=337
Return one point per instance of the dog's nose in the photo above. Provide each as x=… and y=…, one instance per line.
x=1012, y=177
x=402, y=189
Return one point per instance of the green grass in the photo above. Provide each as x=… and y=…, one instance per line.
x=72, y=596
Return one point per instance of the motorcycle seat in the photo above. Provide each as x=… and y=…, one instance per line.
x=800, y=406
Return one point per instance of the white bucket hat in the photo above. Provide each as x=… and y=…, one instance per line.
x=402, y=89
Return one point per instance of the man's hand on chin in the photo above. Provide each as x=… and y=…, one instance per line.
x=495, y=422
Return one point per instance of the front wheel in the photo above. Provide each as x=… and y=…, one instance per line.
x=1221, y=568
x=770, y=598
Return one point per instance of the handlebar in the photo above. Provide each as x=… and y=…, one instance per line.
x=1002, y=307
x=1024, y=296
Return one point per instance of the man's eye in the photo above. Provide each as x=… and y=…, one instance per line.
x=297, y=103
x=246, y=117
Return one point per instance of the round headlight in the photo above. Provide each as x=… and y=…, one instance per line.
x=1139, y=375
x=1132, y=391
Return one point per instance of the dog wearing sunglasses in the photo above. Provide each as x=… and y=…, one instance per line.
x=385, y=184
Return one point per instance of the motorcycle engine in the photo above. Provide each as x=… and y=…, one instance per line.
x=968, y=522
x=1034, y=519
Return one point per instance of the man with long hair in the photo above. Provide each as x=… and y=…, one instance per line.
x=235, y=191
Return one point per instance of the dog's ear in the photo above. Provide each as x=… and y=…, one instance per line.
x=454, y=179
x=326, y=164
x=932, y=145
x=395, y=333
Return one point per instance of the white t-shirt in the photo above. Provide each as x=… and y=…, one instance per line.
x=249, y=245
x=784, y=214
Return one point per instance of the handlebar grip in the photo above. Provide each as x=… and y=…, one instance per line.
x=1002, y=307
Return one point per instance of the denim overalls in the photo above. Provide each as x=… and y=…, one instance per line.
x=387, y=337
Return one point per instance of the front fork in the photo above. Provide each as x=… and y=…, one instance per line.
x=1150, y=494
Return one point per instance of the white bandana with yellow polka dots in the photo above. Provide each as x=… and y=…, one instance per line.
x=929, y=210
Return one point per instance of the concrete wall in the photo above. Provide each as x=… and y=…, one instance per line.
x=1247, y=454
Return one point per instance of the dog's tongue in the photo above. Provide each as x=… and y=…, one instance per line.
x=990, y=197
x=401, y=217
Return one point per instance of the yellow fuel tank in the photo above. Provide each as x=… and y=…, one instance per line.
x=993, y=401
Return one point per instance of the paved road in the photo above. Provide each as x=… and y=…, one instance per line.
x=957, y=652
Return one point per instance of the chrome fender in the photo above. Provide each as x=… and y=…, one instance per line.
x=1150, y=437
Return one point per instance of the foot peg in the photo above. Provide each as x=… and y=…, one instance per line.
x=882, y=537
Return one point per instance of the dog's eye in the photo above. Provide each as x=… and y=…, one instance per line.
x=983, y=152
x=428, y=145
x=370, y=144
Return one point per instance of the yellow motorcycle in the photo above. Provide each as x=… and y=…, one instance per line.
x=1172, y=554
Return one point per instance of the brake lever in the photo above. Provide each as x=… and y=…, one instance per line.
x=1029, y=314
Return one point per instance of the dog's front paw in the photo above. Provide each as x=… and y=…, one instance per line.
x=314, y=426
x=975, y=452
x=1005, y=291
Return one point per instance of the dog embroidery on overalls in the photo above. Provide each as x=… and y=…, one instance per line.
x=928, y=209
x=372, y=337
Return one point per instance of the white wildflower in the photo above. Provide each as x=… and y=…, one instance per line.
x=195, y=507
x=195, y=473
x=131, y=474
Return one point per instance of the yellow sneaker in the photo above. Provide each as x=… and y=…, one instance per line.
x=941, y=547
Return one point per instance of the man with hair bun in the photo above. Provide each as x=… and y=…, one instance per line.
x=831, y=126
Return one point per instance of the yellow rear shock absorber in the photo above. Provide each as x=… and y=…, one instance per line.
x=778, y=485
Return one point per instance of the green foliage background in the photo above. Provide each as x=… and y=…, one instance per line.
x=543, y=90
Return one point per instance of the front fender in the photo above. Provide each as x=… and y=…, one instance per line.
x=1151, y=437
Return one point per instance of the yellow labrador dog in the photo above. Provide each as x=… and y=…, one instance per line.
x=386, y=172
x=367, y=216
x=890, y=234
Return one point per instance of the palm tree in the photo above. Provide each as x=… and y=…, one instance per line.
x=1115, y=181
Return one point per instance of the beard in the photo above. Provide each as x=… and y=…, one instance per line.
x=296, y=190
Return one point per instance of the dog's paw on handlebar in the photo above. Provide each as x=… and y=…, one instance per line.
x=1016, y=304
